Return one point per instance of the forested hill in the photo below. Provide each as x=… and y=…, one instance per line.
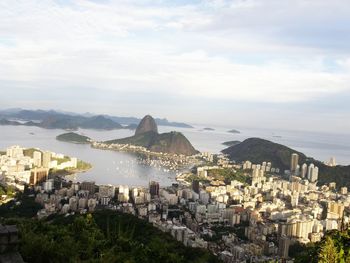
x=259, y=150
x=104, y=236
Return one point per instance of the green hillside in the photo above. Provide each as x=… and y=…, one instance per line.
x=259, y=150
x=104, y=236
x=334, y=247
x=146, y=135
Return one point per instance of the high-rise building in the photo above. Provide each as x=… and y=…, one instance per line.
x=303, y=171
x=344, y=190
x=294, y=160
x=38, y=175
x=312, y=173
x=88, y=186
x=46, y=159
x=106, y=191
x=283, y=247
x=195, y=186
x=14, y=152
x=123, y=193
x=37, y=158
x=332, y=162
x=154, y=188
x=335, y=208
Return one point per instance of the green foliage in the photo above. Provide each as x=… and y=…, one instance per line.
x=104, y=236
x=30, y=152
x=329, y=253
x=334, y=247
x=171, y=142
x=193, y=177
x=228, y=175
x=81, y=165
x=61, y=160
x=7, y=190
x=73, y=137
x=26, y=207
x=259, y=150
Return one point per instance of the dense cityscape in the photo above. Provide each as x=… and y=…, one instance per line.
x=241, y=212
x=174, y=131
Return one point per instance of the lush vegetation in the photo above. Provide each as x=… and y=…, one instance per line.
x=229, y=175
x=2, y=153
x=334, y=248
x=30, y=152
x=171, y=142
x=61, y=160
x=83, y=166
x=259, y=150
x=73, y=137
x=23, y=206
x=192, y=177
x=104, y=236
x=7, y=190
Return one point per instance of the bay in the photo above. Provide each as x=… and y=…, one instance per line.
x=110, y=167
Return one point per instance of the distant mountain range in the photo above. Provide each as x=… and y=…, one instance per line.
x=147, y=136
x=259, y=150
x=70, y=121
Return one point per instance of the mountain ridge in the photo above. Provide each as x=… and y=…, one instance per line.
x=40, y=115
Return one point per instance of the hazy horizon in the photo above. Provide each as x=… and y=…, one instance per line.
x=246, y=63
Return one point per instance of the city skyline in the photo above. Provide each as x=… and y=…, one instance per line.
x=190, y=61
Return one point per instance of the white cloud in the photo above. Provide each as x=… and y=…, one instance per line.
x=188, y=50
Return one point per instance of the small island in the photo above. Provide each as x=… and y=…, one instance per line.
x=233, y=131
x=209, y=129
x=73, y=138
x=231, y=143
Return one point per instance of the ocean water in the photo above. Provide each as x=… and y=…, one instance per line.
x=110, y=167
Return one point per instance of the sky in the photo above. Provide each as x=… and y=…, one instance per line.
x=240, y=63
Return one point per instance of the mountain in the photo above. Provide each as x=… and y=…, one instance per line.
x=7, y=122
x=259, y=150
x=74, y=138
x=100, y=122
x=165, y=122
x=131, y=126
x=40, y=115
x=147, y=124
x=147, y=136
x=55, y=120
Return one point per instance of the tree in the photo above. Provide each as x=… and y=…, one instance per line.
x=328, y=252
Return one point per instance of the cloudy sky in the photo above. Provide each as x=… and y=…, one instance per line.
x=269, y=63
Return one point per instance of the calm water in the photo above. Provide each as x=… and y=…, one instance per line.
x=122, y=168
